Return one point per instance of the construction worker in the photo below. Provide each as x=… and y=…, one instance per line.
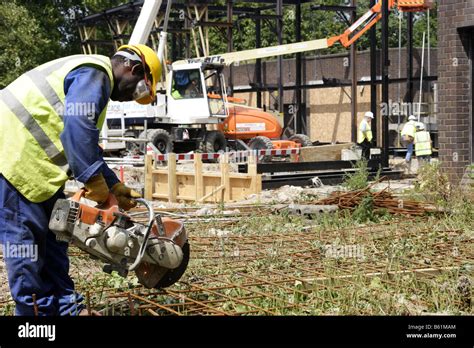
x=422, y=143
x=180, y=82
x=193, y=90
x=176, y=94
x=408, y=136
x=50, y=118
x=364, y=134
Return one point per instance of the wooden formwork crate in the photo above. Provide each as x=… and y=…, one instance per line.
x=166, y=183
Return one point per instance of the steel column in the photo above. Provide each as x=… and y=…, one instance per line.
x=409, y=93
x=373, y=76
x=300, y=119
x=280, y=79
x=385, y=81
x=230, y=43
x=258, y=65
x=353, y=58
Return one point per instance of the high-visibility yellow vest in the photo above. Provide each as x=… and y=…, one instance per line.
x=422, y=143
x=31, y=111
x=176, y=94
x=364, y=132
x=409, y=129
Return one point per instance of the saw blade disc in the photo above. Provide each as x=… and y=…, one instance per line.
x=154, y=276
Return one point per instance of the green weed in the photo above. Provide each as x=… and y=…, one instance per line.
x=359, y=179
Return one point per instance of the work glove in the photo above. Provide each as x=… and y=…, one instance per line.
x=125, y=196
x=97, y=189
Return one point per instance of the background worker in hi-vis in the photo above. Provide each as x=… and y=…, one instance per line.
x=364, y=134
x=408, y=136
x=423, y=145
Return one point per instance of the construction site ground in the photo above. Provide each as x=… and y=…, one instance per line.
x=408, y=250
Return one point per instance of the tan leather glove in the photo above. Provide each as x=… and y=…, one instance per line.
x=97, y=189
x=125, y=196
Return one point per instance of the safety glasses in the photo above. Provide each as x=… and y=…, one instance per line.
x=144, y=87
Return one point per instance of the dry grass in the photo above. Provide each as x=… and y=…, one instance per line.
x=281, y=264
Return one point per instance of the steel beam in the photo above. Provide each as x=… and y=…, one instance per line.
x=327, y=178
x=340, y=83
x=335, y=8
x=283, y=167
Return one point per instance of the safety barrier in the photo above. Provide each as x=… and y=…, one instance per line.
x=165, y=182
x=234, y=157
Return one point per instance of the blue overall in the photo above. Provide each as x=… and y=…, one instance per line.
x=409, y=152
x=46, y=272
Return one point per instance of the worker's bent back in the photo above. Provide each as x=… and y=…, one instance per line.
x=31, y=108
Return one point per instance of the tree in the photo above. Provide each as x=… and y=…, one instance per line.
x=35, y=32
x=19, y=48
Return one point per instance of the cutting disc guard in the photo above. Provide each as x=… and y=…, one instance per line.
x=154, y=276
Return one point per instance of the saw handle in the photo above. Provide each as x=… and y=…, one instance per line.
x=110, y=202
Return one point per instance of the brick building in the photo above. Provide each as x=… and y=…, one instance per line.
x=455, y=75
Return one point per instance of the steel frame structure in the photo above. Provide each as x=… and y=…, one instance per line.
x=200, y=16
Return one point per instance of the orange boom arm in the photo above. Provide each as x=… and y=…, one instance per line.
x=371, y=17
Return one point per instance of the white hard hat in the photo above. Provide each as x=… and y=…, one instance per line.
x=411, y=118
x=369, y=114
x=420, y=126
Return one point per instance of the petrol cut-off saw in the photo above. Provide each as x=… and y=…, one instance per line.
x=158, y=252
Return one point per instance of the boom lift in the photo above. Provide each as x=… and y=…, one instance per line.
x=195, y=94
